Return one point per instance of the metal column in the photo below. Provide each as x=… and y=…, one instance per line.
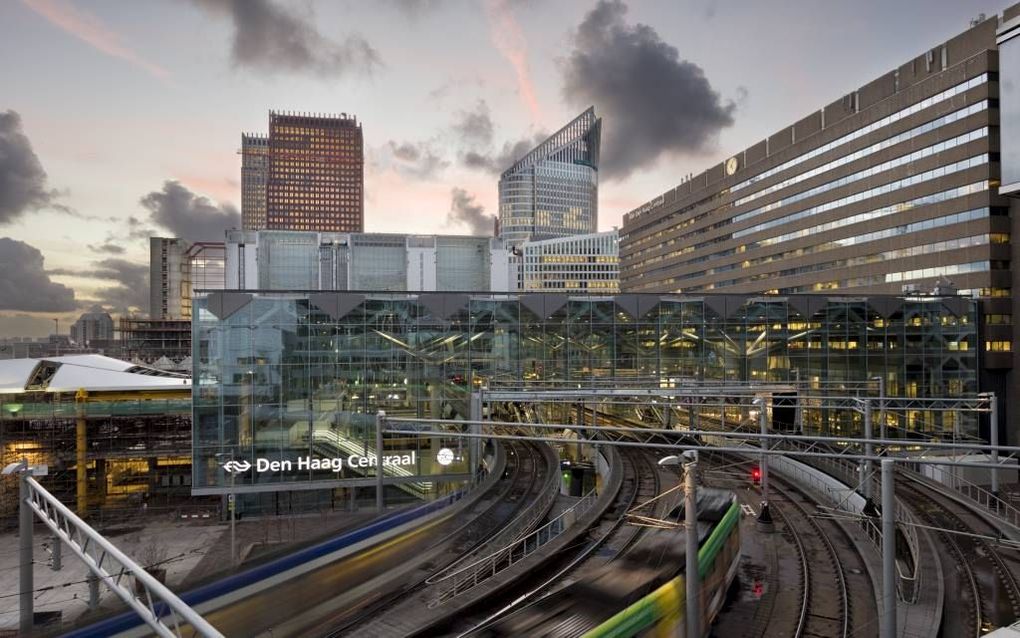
x=232, y=506
x=888, y=626
x=993, y=438
x=475, y=449
x=764, y=516
x=868, y=450
x=380, y=417
x=693, y=579
x=25, y=582
x=81, y=462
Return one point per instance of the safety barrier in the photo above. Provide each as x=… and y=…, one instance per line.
x=463, y=579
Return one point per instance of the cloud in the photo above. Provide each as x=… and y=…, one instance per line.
x=108, y=247
x=475, y=126
x=654, y=102
x=91, y=30
x=417, y=160
x=23, y=185
x=497, y=161
x=130, y=291
x=509, y=40
x=465, y=211
x=271, y=38
x=184, y=214
x=25, y=284
x=415, y=9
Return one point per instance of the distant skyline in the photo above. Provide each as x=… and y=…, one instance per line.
x=120, y=120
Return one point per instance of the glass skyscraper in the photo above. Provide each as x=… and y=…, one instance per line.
x=553, y=190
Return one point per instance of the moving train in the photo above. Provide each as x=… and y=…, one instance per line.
x=645, y=587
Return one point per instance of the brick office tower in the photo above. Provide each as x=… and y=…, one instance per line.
x=316, y=173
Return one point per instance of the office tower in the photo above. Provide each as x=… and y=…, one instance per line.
x=316, y=173
x=580, y=263
x=891, y=189
x=254, y=174
x=177, y=269
x=553, y=190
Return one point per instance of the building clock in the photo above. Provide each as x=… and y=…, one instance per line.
x=731, y=166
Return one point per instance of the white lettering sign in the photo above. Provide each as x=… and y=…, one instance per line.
x=335, y=464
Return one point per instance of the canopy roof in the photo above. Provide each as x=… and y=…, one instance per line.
x=92, y=372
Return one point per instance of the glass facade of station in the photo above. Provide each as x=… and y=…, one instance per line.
x=285, y=375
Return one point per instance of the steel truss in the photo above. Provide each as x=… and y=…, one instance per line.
x=157, y=606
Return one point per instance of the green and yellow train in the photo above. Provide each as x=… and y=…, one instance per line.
x=644, y=587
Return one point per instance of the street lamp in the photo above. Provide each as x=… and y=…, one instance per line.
x=693, y=580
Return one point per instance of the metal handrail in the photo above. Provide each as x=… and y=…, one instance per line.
x=907, y=584
x=985, y=498
x=111, y=566
x=468, y=576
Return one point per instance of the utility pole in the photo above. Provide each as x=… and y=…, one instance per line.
x=693, y=579
x=380, y=417
x=764, y=517
x=888, y=625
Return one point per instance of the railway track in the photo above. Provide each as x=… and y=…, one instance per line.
x=824, y=596
x=526, y=474
x=610, y=539
x=988, y=595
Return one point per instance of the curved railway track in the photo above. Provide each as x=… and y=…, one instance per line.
x=825, y=598
x=989, y=590
x=526, y=475
x=611, y=538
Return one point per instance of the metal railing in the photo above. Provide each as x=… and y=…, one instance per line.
x=907, y=583
x=465, y=578
x=994, y=505
x=159, y=607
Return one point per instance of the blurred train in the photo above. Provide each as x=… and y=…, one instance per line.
x=643, y=591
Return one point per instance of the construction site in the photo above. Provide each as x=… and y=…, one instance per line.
x=115, y=436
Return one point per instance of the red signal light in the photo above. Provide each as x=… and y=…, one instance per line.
x=756, y=475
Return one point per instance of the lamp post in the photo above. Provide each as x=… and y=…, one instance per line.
x=692, y=576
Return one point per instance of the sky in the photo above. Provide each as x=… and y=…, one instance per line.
x=120, y=120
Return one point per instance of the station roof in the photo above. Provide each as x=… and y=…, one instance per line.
x=92, y=372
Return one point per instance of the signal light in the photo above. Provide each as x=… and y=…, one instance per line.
x=756, y=475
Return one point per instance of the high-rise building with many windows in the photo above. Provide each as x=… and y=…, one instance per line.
x=316, y=173
x=891, y=189
x=254, y=174
x=553, y=190
x=579, y=263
